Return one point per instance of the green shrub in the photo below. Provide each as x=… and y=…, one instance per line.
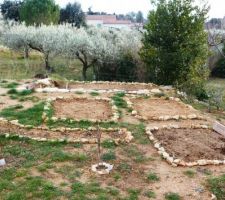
x=217, y=186
x=172, y=196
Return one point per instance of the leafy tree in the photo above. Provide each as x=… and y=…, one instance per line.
x=73, y=14
x=175, y=44
x=39, y=12
x=10, y=10
x=139, y=17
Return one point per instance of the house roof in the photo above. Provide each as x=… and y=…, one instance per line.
x=107, y=19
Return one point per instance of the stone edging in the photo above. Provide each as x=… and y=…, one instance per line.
x=128, y=138
x=115, y=111
x=165, y=117
x=176, y=161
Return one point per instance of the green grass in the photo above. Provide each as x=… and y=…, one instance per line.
x=172, y=196
x=108, y=156
x=33, y=188
x=94, y=94
x=31, y=116
x=85, y=191
x=135, y=154
x=119, y=101
x=190, y=173
x=150, y=194
x=108, y=144
x=14, y=66
x=133, y=194
x=152, y=177
x=217, y=186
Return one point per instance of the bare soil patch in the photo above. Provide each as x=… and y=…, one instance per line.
x=110, y=86
x=150, y=108
x=82, y=109
x=192, y=144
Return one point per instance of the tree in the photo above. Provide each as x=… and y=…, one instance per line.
x=10, y=10
x=139, y=17
x=43, y=12
x=175, y=44
x=73, y=14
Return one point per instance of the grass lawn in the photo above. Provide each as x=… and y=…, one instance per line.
x=14, y=66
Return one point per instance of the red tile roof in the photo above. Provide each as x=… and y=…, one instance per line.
x=107, y=19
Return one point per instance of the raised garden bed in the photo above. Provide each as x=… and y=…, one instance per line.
x=162, y=109
x=189, y=146
x=78, y=109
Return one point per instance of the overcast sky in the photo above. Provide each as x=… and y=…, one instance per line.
x=125, y=6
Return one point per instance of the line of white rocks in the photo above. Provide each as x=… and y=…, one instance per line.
x=89, y=91
x=115, y=111
x=127, y=139
x=176, y=161
x=165, y=117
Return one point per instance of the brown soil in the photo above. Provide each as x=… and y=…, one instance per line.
x=110, y=86
x=37, y=133
x=6, y=102
x=192, y=144
x=151, y=108
x=82, y=109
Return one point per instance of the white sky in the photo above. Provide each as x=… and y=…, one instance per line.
x=125, y=6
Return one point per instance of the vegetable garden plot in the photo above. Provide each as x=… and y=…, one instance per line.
x=162, y=109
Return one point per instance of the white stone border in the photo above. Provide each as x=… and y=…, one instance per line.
x=115, y=111
x=128, y=138
x=165, y=117
x=176, y=161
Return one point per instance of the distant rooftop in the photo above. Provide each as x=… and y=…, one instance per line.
x=107, y=19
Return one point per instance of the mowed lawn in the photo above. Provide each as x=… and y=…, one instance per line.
x=14, y=66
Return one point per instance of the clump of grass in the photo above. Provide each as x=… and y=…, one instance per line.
x=150, y=194
x=61, y=156
x=133, y=152
x=84, y=191
x=119, y=101
x=190, y=173
x=44, y=167
x=133, y=194
x=172, y=196
x=94, y=94
x=108, y=156
x=152, y=177
x=124, y=167
x=21, y=93
x=108, y=144
x=217, y=186
x=31, y=116
x=11, y=85
x=79, y=92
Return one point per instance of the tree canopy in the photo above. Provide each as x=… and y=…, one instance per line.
x=10, y=10
x=39, y=12
x=73, y=14
x=175, y=43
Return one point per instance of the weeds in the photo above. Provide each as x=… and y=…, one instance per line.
x=31, y=116
x=172, y=196
x=217, y=186
x=152, y=177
